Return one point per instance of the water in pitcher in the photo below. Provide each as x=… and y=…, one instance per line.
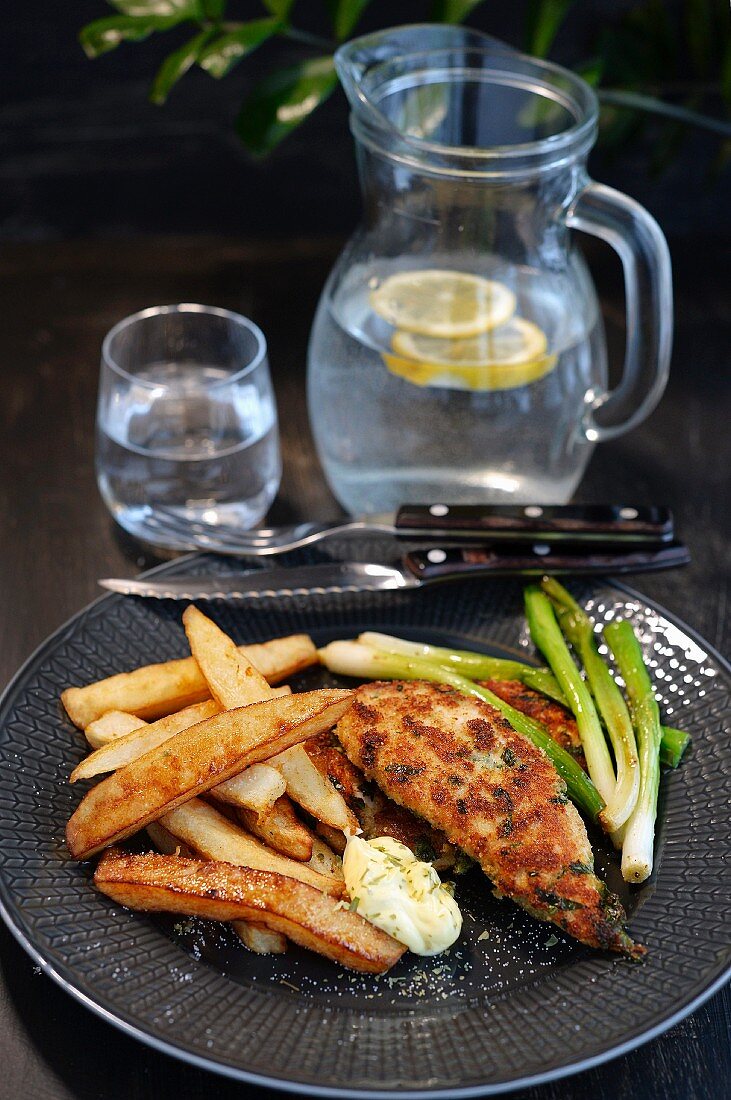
x=207, y=457
x=395, y=421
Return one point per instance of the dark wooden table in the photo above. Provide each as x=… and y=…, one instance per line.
x=58, y=300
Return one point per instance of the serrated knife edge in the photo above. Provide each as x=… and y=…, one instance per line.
x=262, y=584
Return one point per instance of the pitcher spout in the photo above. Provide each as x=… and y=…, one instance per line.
x=358, y=58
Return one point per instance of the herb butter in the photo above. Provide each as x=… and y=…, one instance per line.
x=394, y=890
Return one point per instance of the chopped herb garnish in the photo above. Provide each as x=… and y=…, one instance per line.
x=462, y=864
x=424, y=851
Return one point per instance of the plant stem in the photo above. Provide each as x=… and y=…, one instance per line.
x=355, y=659
x=635, y=101
x=308, y=39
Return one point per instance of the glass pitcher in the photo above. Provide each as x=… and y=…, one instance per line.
x=458, y=351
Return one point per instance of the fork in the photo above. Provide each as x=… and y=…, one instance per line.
x=452, y=523
x=265, y=541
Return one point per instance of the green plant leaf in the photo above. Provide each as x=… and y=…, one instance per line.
x=544, y=22
x=104, y=35
x=282, y=101
x=222, y=54
x=184, y=9
x=453, y=11
x=214, y=10
x=279, y=8
x=344, y=16
x=177, y=64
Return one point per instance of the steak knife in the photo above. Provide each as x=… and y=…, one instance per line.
x=417, y=569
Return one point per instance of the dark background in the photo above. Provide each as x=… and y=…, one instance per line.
x=85, y=154
x=108, y=204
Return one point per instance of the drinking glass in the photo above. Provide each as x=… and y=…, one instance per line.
x=186, y=421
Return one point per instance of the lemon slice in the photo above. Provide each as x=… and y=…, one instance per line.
x=510, y=356
x=442, y=303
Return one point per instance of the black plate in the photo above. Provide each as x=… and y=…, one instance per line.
x=514, y=1002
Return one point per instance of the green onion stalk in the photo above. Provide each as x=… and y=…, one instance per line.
x=348, y=658
x=639, y=832
x=673, y=745
x=547, y=637
x=578, y=629
x=473, y=666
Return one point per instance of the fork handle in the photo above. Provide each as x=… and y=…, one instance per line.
x=550, y=522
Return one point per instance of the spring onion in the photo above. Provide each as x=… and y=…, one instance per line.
x=547, y=637
x=578, y=628
x=673, y=745
x=639, y=833
x=473, y=666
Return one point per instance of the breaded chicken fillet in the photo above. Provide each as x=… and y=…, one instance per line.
x=454, y=761
x=376, y=814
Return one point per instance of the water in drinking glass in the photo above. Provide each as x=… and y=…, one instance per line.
x=197, y=439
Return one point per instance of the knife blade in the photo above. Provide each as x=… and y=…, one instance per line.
x=415, y=570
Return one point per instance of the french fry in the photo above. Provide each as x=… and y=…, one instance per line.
x=233, y=682
x=166, y=843
x=153, y=691
x=195, y=760
x=123, y=750
x=281, y=829
x=333, y=837
x=313, y=791
x=257, y=937
x=220, y=891
x=210, y=835
x=324, y=859
x=113, y=724
x=257, y=788
x=231, y=677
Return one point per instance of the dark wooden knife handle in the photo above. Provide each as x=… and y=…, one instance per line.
x=550, y=521
x=538, y=558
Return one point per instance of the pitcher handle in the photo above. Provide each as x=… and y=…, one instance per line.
x=637, y=238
